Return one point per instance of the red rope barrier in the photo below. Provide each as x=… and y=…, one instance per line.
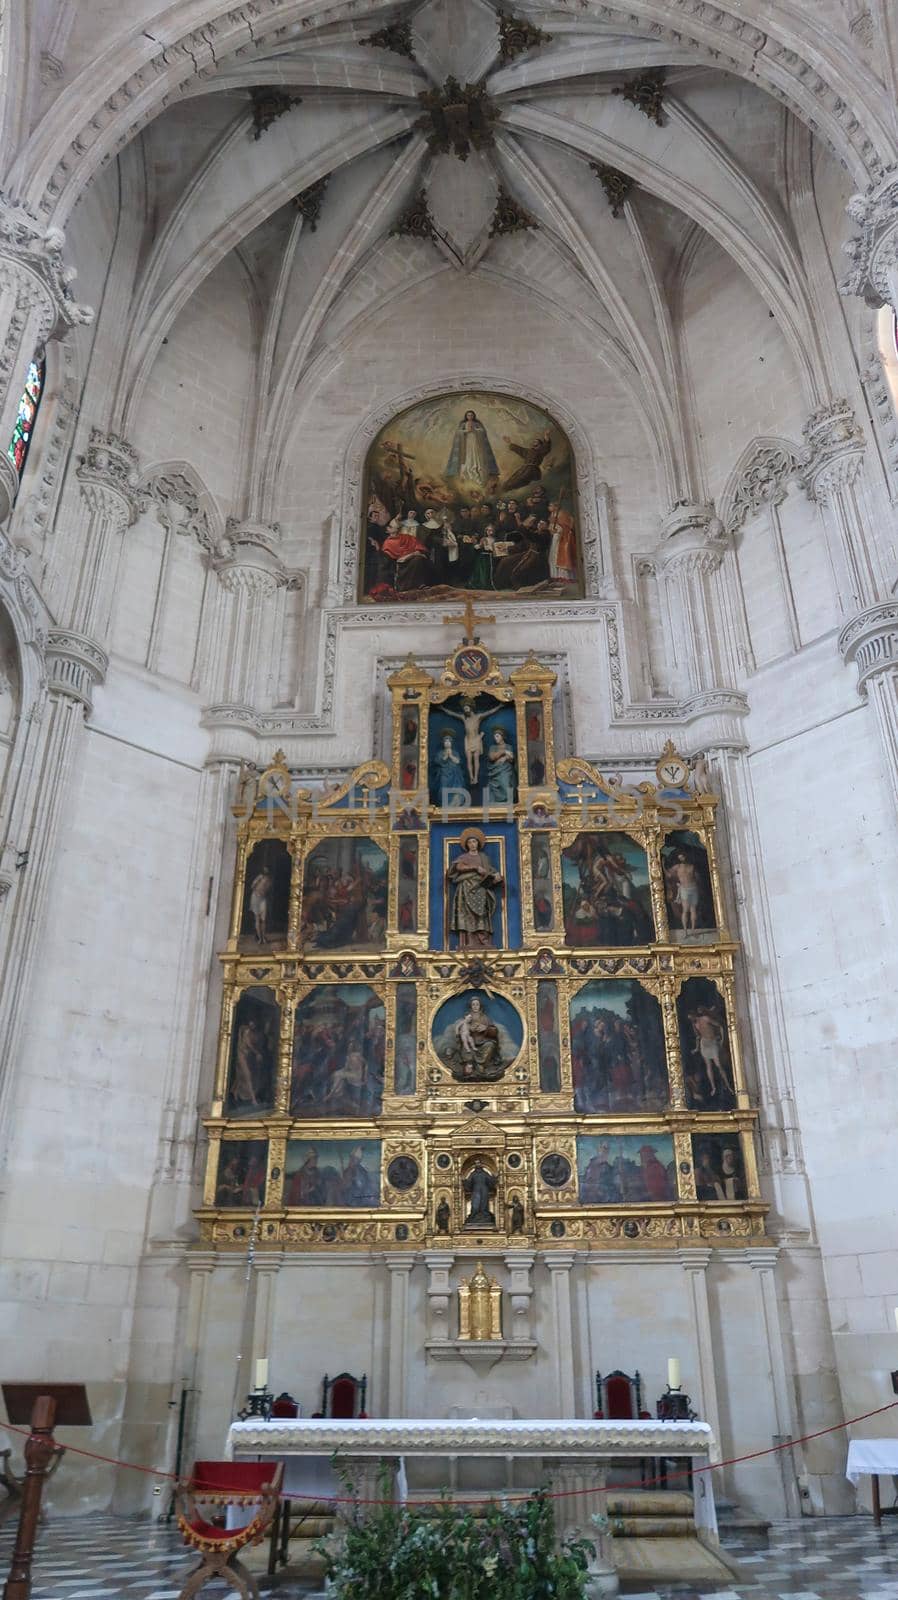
x=563, y=1494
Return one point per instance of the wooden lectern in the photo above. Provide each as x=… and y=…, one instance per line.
x=42, y=1406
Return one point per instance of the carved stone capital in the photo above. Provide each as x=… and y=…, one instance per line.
x=251, y=564
x=693, y=539
x=874, y=250
x=32, y=270
x=870, y=640
x=834, y=446
x=75, y=665
x=108, y=474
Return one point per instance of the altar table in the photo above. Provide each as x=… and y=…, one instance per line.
x=574, y=1452
x=873, y=1456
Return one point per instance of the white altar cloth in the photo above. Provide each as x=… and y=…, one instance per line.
x=314, y=1440
x=468, y=1436
x=873, y=1456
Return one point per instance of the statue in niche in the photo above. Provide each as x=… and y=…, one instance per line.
x=474, y=1047
x=448, y=775
x=475, y=901
x=516, y=1224
x=500, y=768
x=471, y=721
x=442, y=1216
x=479, y=1187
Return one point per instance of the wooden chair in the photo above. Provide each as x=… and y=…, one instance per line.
x=223, y=1484
x=344, y=1396
x=619, y=1399
x=619, y=1396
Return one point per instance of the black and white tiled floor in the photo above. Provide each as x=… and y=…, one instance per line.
x=103, y=1558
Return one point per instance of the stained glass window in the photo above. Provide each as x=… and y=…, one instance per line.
x=24, y=428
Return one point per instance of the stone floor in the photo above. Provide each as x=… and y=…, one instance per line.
x=103, y=1558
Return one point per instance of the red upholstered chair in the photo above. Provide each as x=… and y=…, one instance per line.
x=285, y=1406
x=219, y=1484
x=344, y=1396
x=619, y=1396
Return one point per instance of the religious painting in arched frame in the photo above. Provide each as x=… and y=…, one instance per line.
x=470, y=493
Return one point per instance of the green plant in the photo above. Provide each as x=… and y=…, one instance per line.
x=448, y=1552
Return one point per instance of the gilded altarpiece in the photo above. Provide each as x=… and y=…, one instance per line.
x=479, y=996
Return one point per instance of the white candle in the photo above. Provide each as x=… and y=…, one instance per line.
x=673, y=1373
x=896, y=1316
x=262, y=1373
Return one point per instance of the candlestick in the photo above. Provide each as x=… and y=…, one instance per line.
x=673, y=1373
x=262, y=1373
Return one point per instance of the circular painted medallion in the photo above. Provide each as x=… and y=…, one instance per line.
x=471, y=663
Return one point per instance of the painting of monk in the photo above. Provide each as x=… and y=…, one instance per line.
x=470, y=493
x=242, y=1169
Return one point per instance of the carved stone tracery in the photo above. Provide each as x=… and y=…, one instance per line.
x=761, y=479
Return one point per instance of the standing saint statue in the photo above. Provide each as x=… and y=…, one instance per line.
x=479, y=1187
x=471, y=459
x=475, y=900
x=500, y=766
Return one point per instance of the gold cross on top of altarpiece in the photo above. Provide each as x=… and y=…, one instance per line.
x=470, y=617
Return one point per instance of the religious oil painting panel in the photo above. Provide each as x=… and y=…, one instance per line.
x=626, y=1169
x=242, y=1166
x=618, y=1059
x=332, y=1172
x=344, y=895
x=338, y=1053
x=470, y=492
x=605, y=884
x=406, y=1051
x=705, y=1047
x=719, y=1167
x=254, y=1053
x=266, y=896
x=687, y=886
x=477, y=1035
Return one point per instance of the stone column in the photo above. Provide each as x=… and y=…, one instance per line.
x=35, y=305
x=520, y=1293
x=200, y=1266
x=559, y=1263
x=695, y=1264
x=75, y=662
x=439, y=1265
x=763, y=1263
x=265, y=1270
x=399, y=1268
x=760, y=990
x=251, y=573
x=874, y=250
x=692, y=546
x=870, y=640
x=829, y=472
